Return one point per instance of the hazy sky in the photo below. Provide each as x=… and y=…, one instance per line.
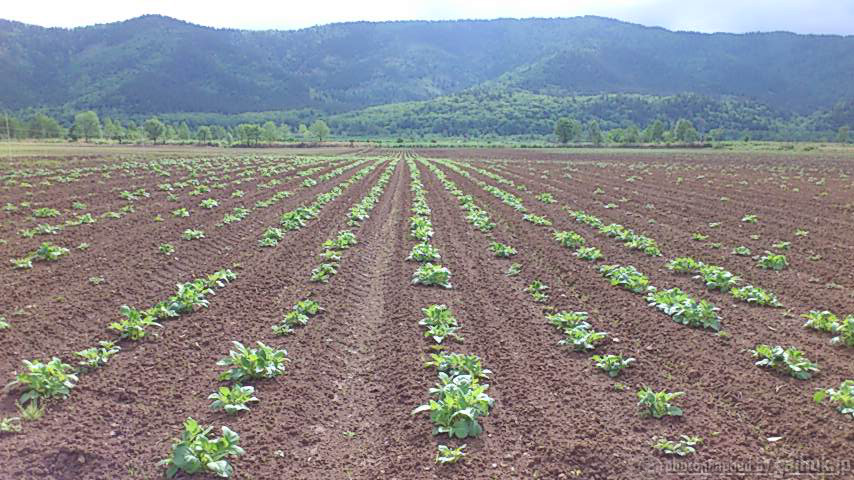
x=801, y=16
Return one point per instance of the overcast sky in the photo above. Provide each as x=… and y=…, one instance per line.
x=801, y=16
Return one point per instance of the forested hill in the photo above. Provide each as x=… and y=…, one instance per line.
x=156, y=65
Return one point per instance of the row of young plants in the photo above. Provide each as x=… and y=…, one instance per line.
x=195, y=452
x=430, y=272
x=718, y=278
x=41, y=381
x=298, y=217
x=684, y=309
x=581, y=336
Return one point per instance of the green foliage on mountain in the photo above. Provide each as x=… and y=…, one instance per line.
x=154, y=65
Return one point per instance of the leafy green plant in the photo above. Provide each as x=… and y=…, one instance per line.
x=538, y=291
x=566, y=320
x=611, y=364
x=823, y=321
x=790, y=360
x=755, y=295
x=95, y=357
x=252, y=363
x=845, y=331
x=447, y=455
x=569, y=239
x=97, y=280
x=323, y=271
x=181, y=212
x=424, y=252
x=546, y=197
x=801, y=232
x=209, y=203
x=750, y=219
x=657, y=404
x=133, y=325
x=781, y=245
x=22, y=263
x=771, y=261
x=271, y=237
x=13, y=425
x=627, y=277
x=457, y=404
x=699, y=237
x=45, y=212
x=537, y=220
x=684, y=309
x=3, y=323
x=501, y=250
x=42, y=380
x=513, y=270
x=682, y=447
x=195, y=453
x=455, y=364
x=684, y=265
x=588, y=253
x=582, y=337
x=717, y=278
x=48, y=252
x=431, y=274
x=843, y=397
x=233, y=399
x=166, y=248
x=191, y=234
x=741, y=251
x=440, y=323
x=31, y=411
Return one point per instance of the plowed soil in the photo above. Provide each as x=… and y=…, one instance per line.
x=357, y=370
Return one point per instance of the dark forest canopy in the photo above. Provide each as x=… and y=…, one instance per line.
x=448, y=78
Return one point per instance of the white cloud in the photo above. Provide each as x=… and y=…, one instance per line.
x=801, y=16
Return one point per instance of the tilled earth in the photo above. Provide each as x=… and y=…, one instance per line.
x=356, y=371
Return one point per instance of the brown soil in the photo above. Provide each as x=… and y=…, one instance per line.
x=343, y=408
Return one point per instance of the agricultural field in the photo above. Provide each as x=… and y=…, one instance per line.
x=478, y=314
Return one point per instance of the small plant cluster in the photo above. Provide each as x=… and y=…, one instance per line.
x=538, y=291
x=658, y=404
x=771, y=261
x=46, y=252
x=440, y=323
x=787, y=360
x=576, y=242
x=421, y=229
x=189, y=297
x=681, y=447
x=459, y=399
x=44, y=380
x=361, y=211
x=578, y=333
x=298, y=218
x=537, y=220
x=501, y=250
x=41, y=229
x=828, y=322
x=195, y=452
x=718, y=278
x=842, y=397
x=237, y=214
x=627, y=277
x=546, y=197
x=332, y=250
x=684, y=309
x=297, y=317
x=626, y=235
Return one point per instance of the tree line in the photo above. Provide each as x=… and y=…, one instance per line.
x=88, y=126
